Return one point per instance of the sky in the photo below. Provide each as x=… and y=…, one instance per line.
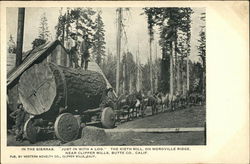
x=135, y=26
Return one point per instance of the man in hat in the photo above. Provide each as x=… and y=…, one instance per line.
x=72, y=50
x=19, y=115
x=84, y=51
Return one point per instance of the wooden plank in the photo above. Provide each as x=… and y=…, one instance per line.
x=92, y=110
x=157, y=130
x=93, y=123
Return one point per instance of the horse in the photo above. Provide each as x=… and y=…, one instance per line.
x=149, y=101
x=134, y=100
x=121, y=106
x=160, y=100
x=200, y=99
x=130, y=104
x=165, y=101
x=181, y=100
x=170, y=101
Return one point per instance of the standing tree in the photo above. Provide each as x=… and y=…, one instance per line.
x=151, y=38
x=128, y=70
x=83, y=18
x=11, y=45
x=170, y=21
x=44, y=28
x=76, y=20
x=184, y=48
x=20, y=30
x=44, y=33
x=60, y=27
x=99, y=40
x=196, y=77
x=146, y=79
x=202, y=52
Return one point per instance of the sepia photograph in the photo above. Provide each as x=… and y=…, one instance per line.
x=124, y=82
x=106, y=76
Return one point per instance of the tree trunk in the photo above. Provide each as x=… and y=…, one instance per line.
x=187, y=74
x=156, y=81
x=150, y=66
x=138, y=71
x=118, y=49
x=63, y=33
x=171, y=69
x=176, y=69
x=178, y=75
x=20, y=29
x=130, y=84
x=67, y=24
x=124, y=78
x=45, y=88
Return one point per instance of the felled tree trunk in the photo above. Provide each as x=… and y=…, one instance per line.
x=46, y=88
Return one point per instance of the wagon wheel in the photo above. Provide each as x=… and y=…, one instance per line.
x=108, y=118
x=30, y=131
x=66, y=127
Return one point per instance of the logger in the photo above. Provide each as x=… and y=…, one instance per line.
x=60, y=99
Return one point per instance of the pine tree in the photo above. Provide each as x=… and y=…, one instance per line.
x=170, y=21
x=130, y=72
x=76, y=20
x=60, y=27
x=202, y=52
x=99, y=40
x=44, y=33
x=11, y=45
x=202, y=42
x=151, y=38
x=83, y=19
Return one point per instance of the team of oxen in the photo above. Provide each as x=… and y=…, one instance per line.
x=134, y=105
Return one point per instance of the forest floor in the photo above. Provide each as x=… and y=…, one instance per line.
x=194, y=116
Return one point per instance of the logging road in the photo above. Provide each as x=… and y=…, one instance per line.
x=186, y=118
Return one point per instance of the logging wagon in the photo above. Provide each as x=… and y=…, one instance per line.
x=59, y=99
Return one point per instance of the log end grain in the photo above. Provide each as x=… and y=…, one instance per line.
x=37, y=89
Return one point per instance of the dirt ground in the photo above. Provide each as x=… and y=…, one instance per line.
x=194, y=116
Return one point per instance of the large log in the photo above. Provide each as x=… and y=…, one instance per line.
x=45, y=88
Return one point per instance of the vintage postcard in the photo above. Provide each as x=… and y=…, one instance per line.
x=124, y=82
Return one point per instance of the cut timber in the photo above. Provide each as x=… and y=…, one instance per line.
x=94, y=135
x=158, y=130
x=45, y=88
x=92, y=110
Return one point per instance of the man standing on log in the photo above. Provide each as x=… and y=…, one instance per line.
x=72, y=50
x=84, y=50
x=19, y=115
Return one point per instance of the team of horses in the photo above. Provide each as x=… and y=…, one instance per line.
x=135, y=104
